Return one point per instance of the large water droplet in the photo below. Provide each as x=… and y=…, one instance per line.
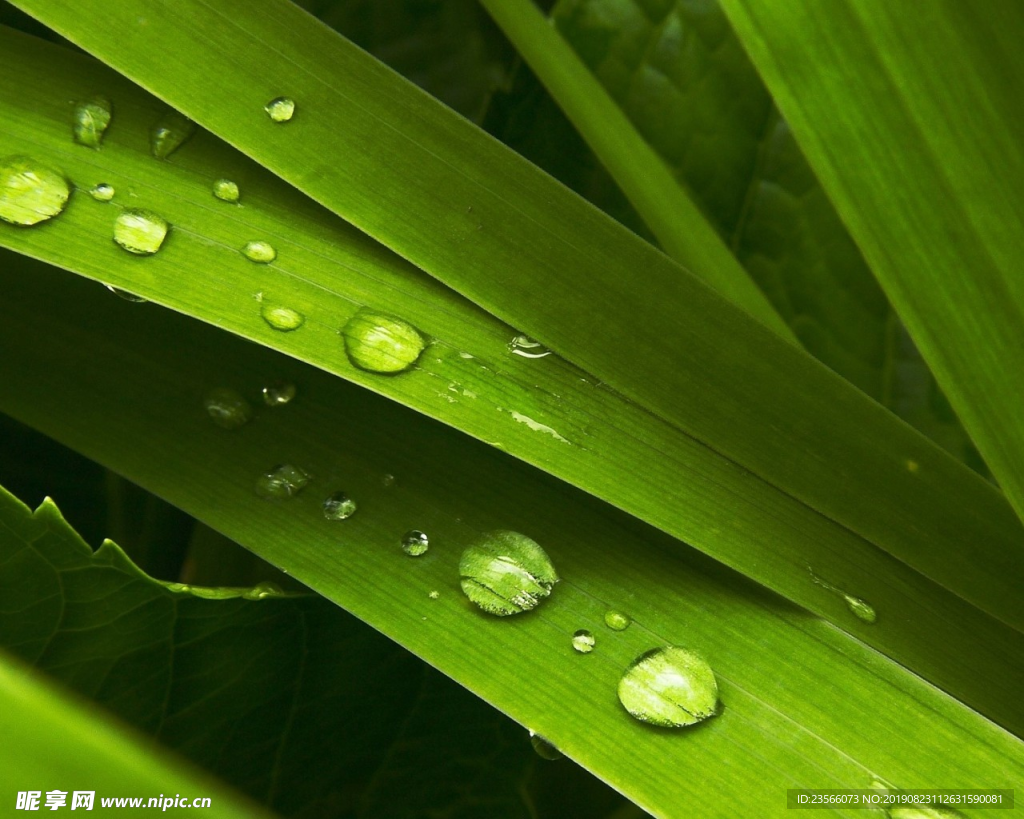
x=506, y=573
x=90, y=121
x=544, y=749
x=583, y=641
x=670, y=687
x=29, y=191
x=170, y=133
x=280, y=109
x=125, y=294
x=102, y=192
x=227, y=408
x=280, y=317
x=282, y=481
x=415, y=543
x=279, y=393
x=381, y=343
x=339, y=506
x=616, y=620
x=225, y=190
x=527, y=348
x=140, y=231
x=259, y=252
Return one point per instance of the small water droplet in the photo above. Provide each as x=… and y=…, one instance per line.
x=141, y=232
x=861, y=609
x=282, y=481
x=671, y=687
x=434, y=595
x=124, y=294
x=263, y=590
x=30, y=192
x=171, y=131
x=388, y=480
x=280, y=317
x=280, y=109
x=527, y=348
x=544, y=749
x=227, y=408
x=339, y=506
x=90, y=120
x=225, y=190
x=583, y=641
x=102, y=192
x=616, y=620
x=506, y=573
x=178, y=587
x=279, y=393
x=415, y=543
x=259, y=252
x=381, y=343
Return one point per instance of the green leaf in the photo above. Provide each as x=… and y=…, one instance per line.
x=778, y=667
x=879, y=92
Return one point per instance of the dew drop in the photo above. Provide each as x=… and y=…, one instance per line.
x=178, y=587
x=861, y=609
x=282, y=481
x=227, y=408
x=671, y=687
x=527, y=348
x=380, y=343
x=263, y=590
x=102, y=192
x=339, y=506
x=280, y=317
x=141, y=232
x=30, y=192
x=434, y=595
x=171, y=131
x=616, y=620
x=279, y=393
x=280, y=109
x=583, y=641
x=90, y=121
x=506, y=573
x=544, y=749
x=387, y=480
x=225, y=190
x=125, y=294
x=415, y=543
x=259, y=252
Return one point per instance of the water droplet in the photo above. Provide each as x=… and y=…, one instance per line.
x=280, y=317
x=126, y=295
x=339, y=506
x=544, y=749
x=227, y=408
x=380, y=343
x=259, y=252
x=527, y=348
x=30, y=192
x=670, y=687
x=415, y=543
x=263, y=590
x=279, y=393
x=434, y=595
x=388, y=480
x=91, y=119
x=170, y=133
x=280, y=109
x=225, y=190
x=140, y=231
x=583, y=641
x=282, y=481
x=861, y=609
x=616, y=620
x=506, y=573
x=102, y=192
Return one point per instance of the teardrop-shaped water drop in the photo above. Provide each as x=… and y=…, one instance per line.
x=30, y=192
x=415, y=543
x=280, y=109
x=583, y=641
x=860, y=608
x=506, y=573
x=527, y=348
x=141, y=232
x=227, y=408
x=616, y=620
x=102, y=192
x=339, y=506
x=280, y=317
x=91, y=119
x=126, y=295
x=380, y=343
x=171, y=131
x=544, y=749
x=259, y=252
x=226, y=190
x=279, y=393
x=282, y=481
x=671, y=687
